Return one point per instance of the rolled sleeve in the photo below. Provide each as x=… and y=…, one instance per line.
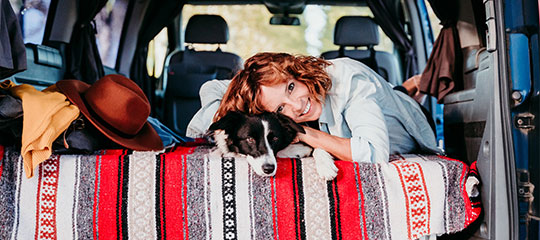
x=212, y=91
x=211, y=94
x=356, y=102
x=369, y=140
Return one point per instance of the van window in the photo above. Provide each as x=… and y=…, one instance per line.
x=157, y=52
x=250, y=31
x=109, y=22
x=333, y=13
x=32, y=16
x=434, y=21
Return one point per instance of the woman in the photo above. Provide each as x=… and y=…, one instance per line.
x=351, y=112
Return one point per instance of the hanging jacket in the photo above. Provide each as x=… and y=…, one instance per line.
x=12, y=50
x=11, y=116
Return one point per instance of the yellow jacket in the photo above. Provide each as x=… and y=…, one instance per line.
x=47, y=114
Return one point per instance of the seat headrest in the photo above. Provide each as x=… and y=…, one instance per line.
x=206, y=29
x=356, y=31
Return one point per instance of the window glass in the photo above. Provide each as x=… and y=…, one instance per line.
x=250, y=31
x=17, y=6
x=109, y=22
x=333, y=13
x=435, y=22
x=32, y=16
x=157, y=52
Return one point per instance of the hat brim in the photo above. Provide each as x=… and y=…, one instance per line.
x=145, y=140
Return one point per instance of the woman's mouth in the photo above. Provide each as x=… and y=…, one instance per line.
x=307, y=108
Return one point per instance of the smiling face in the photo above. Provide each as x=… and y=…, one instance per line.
x=292, y=99
x=263, y=86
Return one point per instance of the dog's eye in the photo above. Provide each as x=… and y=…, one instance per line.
x=272, y=137
x=250, y=140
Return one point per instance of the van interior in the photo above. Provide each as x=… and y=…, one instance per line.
x=484, y=112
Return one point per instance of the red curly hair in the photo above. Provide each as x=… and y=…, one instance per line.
x=270, y=69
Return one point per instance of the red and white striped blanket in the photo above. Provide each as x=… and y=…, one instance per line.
x=186, y=193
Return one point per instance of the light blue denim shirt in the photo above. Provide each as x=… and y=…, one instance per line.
x=361, y=106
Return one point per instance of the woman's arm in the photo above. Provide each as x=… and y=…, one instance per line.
x=211, y=94
x=213, y=91
x=369, y=141
x=413, y=89
x=356, y=116
x=339, y=147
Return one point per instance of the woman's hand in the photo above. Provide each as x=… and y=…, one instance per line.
x=339, y=147
x=413, y=87
x=411, y=84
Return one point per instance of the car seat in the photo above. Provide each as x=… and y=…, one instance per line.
x=361, y=31
x=186, y=70
x=45, y=66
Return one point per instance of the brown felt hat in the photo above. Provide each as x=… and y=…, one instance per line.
x=117, y=107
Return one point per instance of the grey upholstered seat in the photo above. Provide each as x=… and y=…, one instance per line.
x=360, y=31
x=188, y=69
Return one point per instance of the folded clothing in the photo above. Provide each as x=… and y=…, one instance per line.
x=168, y=136
x=82, y=137
x=10, y=118
x=47, y=114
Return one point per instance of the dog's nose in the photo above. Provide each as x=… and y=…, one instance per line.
x=268, y=168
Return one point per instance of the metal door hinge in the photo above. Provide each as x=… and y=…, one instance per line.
x=491, y=41
x=524, y=121
x=525, y=187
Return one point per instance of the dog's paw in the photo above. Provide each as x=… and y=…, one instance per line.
x=217, y=152
x=297, y=150
x=324, y=162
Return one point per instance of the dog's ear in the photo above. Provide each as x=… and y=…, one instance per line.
x=227, y=122
x=219, y=131
x=289, y=123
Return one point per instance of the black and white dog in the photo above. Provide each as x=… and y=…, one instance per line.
x=260, y=138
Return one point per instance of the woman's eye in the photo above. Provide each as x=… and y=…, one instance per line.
x=290, y=87
x=279, y=109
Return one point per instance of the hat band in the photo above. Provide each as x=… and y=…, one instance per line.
x=105, y=123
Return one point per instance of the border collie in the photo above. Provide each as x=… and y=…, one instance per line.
x=260, y=138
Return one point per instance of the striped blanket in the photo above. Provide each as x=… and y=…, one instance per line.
x=190, y=193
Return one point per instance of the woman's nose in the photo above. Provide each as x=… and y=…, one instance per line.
x=296, y=106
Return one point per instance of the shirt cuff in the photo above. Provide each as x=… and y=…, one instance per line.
x=364, y=151
x=361, y=151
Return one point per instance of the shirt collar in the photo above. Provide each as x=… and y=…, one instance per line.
x=326, y=114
